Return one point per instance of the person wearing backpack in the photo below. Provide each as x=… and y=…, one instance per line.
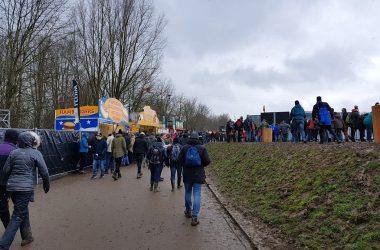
x=156, y=156
x=194, y=158
x=119, y=149
x=323, y=113
x=173, y=152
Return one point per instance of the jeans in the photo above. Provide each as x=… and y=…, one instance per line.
x=339, y=133
x=195, y=190
x=95, y=165
x=249, y=136
x=323, y=133
x=155, y=172
x=139, y=158
x=20, y=219
x=176, y=168
x=109, y=160
x=299, y=130
x=4, y=207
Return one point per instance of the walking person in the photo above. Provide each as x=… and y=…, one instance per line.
x=119, y=149
x=156, y=156
x=110, y=162
x=173, y=152
x=323, y=113
x=9, y=144
x=140, y=149
x=99, y=156
x=21, y=168
x=297, y=116
x=194, y=158
x=83, y=152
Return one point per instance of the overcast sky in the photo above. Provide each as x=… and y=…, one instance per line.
x=236, y=56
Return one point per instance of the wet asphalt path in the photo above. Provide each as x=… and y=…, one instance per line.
x=79, y=213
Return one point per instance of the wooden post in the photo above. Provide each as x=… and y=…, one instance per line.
x=376, y=123
x=267, y=135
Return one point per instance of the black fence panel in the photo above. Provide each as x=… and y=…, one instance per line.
x=59, y=148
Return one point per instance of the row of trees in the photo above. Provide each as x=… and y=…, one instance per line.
x=112, y=48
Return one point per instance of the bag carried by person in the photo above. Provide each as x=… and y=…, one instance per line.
x=324, y=116
x=156, y=155
x=193, y=159
x=348, y=119
x=125, y=160
x=175, y=153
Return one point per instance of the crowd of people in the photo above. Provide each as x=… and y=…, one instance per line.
x=184, y=154
x=325, y=125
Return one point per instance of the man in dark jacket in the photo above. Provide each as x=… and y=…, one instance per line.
x=193, y=157
x=173, y=152
x=157, y=157
x=323, y=113
x=297, y=116
x=99, y=156
x=346, y=125
x=140, y=149
x=248, y=129
x=21, y=168
x=9, y=144
x=356, y=124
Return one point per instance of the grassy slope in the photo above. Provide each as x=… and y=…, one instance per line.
x=323, y=197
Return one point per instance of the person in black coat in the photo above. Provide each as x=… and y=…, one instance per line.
x=194, y=158
x=140, y=149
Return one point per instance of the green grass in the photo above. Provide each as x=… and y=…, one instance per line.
x=323, y=197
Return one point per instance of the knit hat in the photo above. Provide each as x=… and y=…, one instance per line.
x=11, y=135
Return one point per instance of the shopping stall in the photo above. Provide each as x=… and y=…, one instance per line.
x=148, y=121
x=108, y=117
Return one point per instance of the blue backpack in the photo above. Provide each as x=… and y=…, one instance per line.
x=324, y=116
x=193, y=159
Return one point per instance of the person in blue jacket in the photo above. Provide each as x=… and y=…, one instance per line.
x=297, y=116
x=83, y=151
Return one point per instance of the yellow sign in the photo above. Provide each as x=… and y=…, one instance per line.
x=85, y=111
x=148, y=118
x=112, y=110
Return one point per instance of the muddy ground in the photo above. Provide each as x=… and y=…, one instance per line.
x=79, y=213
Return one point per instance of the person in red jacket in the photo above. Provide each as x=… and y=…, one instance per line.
x=239, y=127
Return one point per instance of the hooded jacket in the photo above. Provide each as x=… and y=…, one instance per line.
x=194, y=174
x=83, y=146
x=22, y=163
x=140, y=146
x=297, y=113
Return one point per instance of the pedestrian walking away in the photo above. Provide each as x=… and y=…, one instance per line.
x=9, y=144
x=140, y=149
x=194, y=158
x=173, y=152
x=157, y=157
x=119, y=149
x=21, y=167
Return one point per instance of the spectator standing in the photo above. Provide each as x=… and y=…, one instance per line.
x=83, y=152
x=368, y=126
x=297, y=116
x=239, y=127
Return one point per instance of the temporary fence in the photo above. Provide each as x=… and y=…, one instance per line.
x=60, y=149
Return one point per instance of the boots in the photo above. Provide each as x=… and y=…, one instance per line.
x=173, y=185
x=151, y=186
x=155, y=187
x=179, y=183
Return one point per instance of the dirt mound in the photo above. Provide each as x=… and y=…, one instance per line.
x=322, y=196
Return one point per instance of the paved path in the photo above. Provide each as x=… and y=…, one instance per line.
x=79, y=213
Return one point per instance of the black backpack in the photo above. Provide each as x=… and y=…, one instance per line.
x=156, y=155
